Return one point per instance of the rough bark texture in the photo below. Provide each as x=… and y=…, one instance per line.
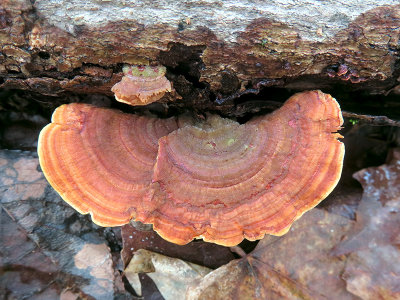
x=212, y=49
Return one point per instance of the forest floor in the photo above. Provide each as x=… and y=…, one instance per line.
x=346, y=248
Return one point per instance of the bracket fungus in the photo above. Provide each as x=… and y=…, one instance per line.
x=217, y=180
x=229, y=181
x=141, y=85
x=100, y=160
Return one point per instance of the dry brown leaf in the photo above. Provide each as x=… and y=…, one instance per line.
x=70, y=256
x=295, y=266
x=206, y=254
x=373, y=266
x=24, y=270
x=171, y=275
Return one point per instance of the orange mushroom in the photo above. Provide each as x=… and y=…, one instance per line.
x=222, y=181
x=100, y=160
x=217, y=180
x=141, y=85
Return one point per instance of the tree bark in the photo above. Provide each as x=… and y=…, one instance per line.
x=210, y=48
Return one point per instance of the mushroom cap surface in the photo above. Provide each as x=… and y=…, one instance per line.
x=217, y=179
x=141, y=85
x=222, y=181
x=101, y=160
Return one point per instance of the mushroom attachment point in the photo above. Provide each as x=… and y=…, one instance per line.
x=222, y=181
x=100, y=160
x=141, y=85
x=217, y=179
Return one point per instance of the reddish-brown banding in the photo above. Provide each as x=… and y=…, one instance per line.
x=223, y=181
x=100, y=160
x=141, y=85
x=217, y=180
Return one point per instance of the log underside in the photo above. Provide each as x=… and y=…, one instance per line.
x=208, y=67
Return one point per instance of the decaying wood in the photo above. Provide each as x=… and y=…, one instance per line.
x=257, y=106
x=210, y=48
x=373, y=120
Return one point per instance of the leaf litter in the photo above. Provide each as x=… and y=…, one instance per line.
x=47, y=248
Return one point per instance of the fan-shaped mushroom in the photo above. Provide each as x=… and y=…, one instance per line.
x=141, y=85
x=217, y=180
x=100, y=160
x=223, y=181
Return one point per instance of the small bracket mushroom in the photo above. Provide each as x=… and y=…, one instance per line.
x=141, y=85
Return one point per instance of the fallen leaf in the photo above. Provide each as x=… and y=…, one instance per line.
x=373, y=269
x=65, y=242
x=295, y=266
x=171, y=275
x=343, y=201
x=24, y=270
x=198, y=252
x=365, y=146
